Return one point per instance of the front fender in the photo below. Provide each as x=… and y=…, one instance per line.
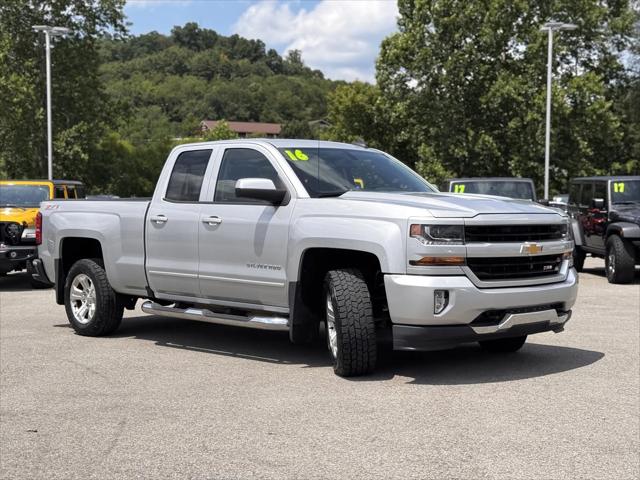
x=624, y=229
x=383, y=238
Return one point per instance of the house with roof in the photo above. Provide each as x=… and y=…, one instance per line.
x=246, y=129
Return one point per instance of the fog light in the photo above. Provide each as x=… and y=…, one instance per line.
x=440, y=300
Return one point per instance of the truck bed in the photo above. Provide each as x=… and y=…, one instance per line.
x=118, y=224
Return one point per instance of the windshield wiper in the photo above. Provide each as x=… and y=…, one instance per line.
x=335, y=193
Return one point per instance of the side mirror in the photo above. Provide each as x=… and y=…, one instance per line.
x=598, y=203
x=260, y=189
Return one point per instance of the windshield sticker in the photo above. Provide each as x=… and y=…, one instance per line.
x=458, y=188
x=618, y=187
x=359, y=182
x=296, y=155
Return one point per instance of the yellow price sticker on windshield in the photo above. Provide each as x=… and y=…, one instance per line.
x=359, y=182
x=458, y=188
x=618, y=187
x=296, y=155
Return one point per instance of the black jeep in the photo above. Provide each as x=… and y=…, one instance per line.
x=605, y=214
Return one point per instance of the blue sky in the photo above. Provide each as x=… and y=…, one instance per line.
x=340, y=37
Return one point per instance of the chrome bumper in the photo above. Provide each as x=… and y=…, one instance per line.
x=411, y=300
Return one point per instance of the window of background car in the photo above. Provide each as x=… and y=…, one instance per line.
x=240, y=163
x=625, y=191
x=513, y=189
x=332, y=171
x=71, y=191
x=186, y=178
x=601, y=191
x=587, y=195
x=23, y=195
x=59, y=192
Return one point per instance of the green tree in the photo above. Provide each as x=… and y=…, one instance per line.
x=220, y=132
x=80, y=108
x=462, y=88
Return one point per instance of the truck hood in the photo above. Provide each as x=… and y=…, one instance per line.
x=452, y=205
x=18, y=215
x=626, y=213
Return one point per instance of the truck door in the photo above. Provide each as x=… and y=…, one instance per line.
x=172, y=225
x=243, y=242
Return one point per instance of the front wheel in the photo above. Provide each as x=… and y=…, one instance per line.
x=504, y=345
x=619, y=261
x=351, y=332
x=92, y=306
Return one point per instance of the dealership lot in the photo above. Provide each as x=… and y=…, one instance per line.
x=169, y=398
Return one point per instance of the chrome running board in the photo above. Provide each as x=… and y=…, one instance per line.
x=513, y=319
x=263, y=322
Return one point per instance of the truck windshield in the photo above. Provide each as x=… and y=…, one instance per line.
x=23, y=195
x=625, y=191
x=327, y=172
x=520, y=190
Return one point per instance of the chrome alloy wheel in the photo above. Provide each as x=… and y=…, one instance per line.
x=83, y=299
x=332, y=334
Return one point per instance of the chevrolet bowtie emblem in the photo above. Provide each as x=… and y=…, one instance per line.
x=531, y=248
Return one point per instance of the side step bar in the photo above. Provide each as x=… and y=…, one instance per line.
x=262, y=322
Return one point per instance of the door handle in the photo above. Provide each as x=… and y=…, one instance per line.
x=212, y=220
x=158, y=218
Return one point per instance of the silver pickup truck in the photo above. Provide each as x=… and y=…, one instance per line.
x=311, y=237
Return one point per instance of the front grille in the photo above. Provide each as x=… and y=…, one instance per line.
x=10, y=233
x=513, y=268
x=494, y=317
x=514, y=233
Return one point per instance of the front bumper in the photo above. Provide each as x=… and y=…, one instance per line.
x=473, y=313
x=411, y=337
x=12, y=257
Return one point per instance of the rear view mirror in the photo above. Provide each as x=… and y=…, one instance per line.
x=260, y=189
x=598, y=203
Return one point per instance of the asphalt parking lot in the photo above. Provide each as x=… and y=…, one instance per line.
x=167, y=398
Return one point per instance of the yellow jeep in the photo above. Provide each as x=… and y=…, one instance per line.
x=19, y=204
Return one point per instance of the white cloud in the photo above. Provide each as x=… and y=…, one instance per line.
x=341, y=38
x=155, y=3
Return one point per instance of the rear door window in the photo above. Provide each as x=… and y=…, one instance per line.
x=71, y=191
x=601, y=191
x=60, y=193
x=574, y=194
x=187, y=176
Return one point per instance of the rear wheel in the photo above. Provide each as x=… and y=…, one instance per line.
x=92, y=306
x=504, y=345
x=619, y=261
x=351, y=332
x=578, y=258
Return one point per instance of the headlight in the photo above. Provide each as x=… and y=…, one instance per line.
x=438, y=234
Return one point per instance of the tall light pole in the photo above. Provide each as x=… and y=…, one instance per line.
x=49, y=32
x=550, y=27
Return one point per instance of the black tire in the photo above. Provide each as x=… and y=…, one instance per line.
x=35, y=284
x=504, y=345
x=619, y=261
x=578, y=258
x=355, y=331
x=108, y=310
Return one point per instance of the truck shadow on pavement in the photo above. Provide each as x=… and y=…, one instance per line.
x=15, y=282
x=467, y=364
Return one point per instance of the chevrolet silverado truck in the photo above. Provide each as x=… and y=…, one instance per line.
x=311, y=237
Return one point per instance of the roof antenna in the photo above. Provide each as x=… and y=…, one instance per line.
x=359, y=142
